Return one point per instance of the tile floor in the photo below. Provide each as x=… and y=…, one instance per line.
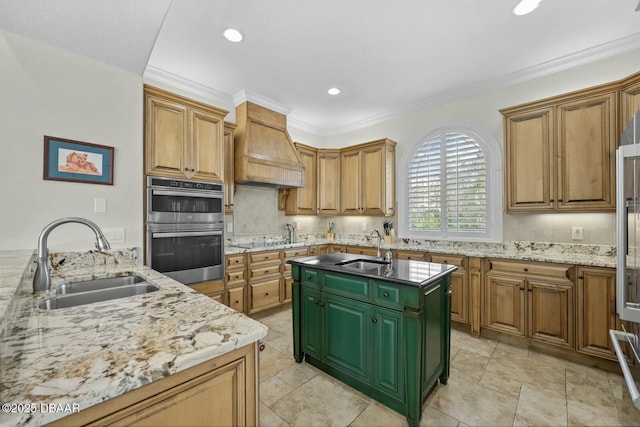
x=491, y=384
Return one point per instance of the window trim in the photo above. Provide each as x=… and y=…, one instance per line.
x=493, y=157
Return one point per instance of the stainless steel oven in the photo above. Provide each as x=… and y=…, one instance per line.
x=171, y=201
x=184, y=229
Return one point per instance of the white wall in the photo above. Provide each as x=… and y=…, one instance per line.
x=48, y=91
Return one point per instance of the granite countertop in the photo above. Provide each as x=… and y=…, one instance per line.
x=405, y=272
x=565, y=253
x=84, y=355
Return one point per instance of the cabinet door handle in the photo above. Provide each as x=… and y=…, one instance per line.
x=580, y=277
x=530, y=290
x=526, y=269
x=315, y=301
x=321, y=304
x=374, y=320
x=522, y=289
x=386, y=294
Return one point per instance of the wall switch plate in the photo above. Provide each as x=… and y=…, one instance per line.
x=100, y=205
x=229, y=227
x=364, y=226
x=576, y=233
x=114, y=235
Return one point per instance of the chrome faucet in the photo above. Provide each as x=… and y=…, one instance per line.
x=379, y=237
x=42, y=278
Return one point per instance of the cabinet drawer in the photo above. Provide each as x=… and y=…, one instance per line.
x=264, y=256
x=310, y=278
x=295, y=252
x=557, y=271
x=265, y=294
x=235, y=261
x=264, y=270
x=236, y=299
x=458, y=260
x=386, y=295
x=236, y=276
x=411, y=255
x=350, y=286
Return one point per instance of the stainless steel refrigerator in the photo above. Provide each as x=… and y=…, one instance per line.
x=628, y=262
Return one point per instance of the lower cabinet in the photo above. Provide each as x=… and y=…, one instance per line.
x=535, y=300
x=213, y=289
x=220, y=392
x=387, y=340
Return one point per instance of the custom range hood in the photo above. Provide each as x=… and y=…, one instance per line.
x=264, y=152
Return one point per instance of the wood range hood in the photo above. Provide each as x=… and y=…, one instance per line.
x=264, y=152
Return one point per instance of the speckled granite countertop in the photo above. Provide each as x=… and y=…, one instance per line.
x=576, y=254
x=87, y=354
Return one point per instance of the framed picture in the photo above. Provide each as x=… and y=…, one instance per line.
x=68, y=160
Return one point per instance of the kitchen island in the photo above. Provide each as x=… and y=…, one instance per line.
x=382, y=327
x=172, y=356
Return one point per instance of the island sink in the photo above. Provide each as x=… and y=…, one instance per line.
x=97, y=284
x=92, y=296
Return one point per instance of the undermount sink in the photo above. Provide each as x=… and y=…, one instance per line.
x=90, y=291
x=97, y=284
x=363, y=264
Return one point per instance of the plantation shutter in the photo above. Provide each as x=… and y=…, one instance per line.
x=447, y=182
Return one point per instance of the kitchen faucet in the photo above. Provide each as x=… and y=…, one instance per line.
x=42, y=278
x=379, y=237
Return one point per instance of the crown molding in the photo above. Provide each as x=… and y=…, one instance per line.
x=263, y=101
x=165, y=80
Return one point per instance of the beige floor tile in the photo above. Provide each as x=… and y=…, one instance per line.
x=319, y=402
x=470, y=365
x=377, y=414
x=268, y=418
x=465, y=341
x=298, y=374
x=474, y=404
x=273, y=361
x=628, y=413
x=590, y=400
x=432, y=417
x=537, y=407
x=617, y=384
x=274, y=388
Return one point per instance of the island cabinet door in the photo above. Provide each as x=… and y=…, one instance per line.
x=388, y=354
x=347, y=335
x=311, y=321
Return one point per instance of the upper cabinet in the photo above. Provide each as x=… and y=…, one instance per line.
x=303, y=200
x=629, y=99
x=183, y=138
x=368, y=179
x=356, y=180
x=560, y=153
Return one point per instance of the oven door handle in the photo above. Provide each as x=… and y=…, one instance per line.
x=163, y=235
x=185, y=194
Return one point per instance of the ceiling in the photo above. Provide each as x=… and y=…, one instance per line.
x=386, y=57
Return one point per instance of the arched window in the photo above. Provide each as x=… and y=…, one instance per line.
x=451, y=187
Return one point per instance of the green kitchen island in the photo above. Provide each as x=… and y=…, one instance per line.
x=381, y=327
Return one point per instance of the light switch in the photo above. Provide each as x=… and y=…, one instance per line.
x=576, y=233
x=229, y=227
x=100, y=205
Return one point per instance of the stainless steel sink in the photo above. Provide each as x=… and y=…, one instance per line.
x=88, y=297
x=364, y=265
x=97, y=284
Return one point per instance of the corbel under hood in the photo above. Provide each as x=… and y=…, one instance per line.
x=264, y=152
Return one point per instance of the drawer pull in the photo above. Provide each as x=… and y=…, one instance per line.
x=321, y=304
x=315, y=301
x=374, y=320
x=308, y=277
x=266, y=294
x=526, y=269
x=386, y=294
x=522, y=289
x=237, y=302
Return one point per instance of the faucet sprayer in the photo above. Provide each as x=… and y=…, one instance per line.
x=42, y=278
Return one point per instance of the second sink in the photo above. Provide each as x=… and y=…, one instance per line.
x=97, y=284
x=82, y=298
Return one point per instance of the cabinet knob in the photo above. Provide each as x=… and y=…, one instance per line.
x=522, y=289
x=315, y=301
x=237, y=302
x=193, y=170
x=580, y=277
x=266, y=272
x=266, y=294
x=374, y=320
x=530, y=290
x=386, y=294
x=526, y=269
x=309, y=277
x=321, y=304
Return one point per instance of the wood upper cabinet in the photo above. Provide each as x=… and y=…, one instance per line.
x=328, y=182
x=560, y=153
x=629, y=99
x=368, y=179
x=304, y=200
x=531, y=299
x=586, y=141
x=229, y=180
x=183, y=138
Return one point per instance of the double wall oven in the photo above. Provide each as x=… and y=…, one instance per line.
x=184, y=229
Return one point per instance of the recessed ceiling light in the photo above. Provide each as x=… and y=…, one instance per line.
x=333, y=91
x=525, y=6
x=233, y=35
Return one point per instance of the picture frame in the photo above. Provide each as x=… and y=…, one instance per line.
x=77, y=161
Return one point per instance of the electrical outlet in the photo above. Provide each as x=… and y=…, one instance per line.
x=576, y=233
x=364, y=226
x=114, y=235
